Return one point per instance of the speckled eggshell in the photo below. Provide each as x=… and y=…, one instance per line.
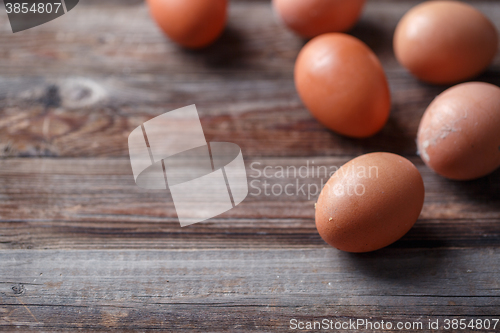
x=370, y=202
x=459, y=134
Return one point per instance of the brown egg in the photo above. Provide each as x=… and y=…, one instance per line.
x=310, y=18
x=343, y=84
x=445, y=42
x=190, y=23
x=370, y=202
x=459, y=135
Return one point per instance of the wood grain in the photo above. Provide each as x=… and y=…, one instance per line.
x=257, y=290
x=83, y=248
x=94, y=203
x=78, y=85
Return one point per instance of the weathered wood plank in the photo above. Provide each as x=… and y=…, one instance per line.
x=252, y=113
x=117, y=258
x=122, y=39
x=78, y=85
x=259, y=290
x=82, y=203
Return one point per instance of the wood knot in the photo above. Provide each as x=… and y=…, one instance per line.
x=80, y=92
x=51, y=97
x=18, y=289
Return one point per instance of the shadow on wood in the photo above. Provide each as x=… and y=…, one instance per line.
x=401, y=268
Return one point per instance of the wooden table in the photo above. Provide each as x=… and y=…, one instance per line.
x=81, y=246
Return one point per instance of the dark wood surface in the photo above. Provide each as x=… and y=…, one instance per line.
x=82, y=247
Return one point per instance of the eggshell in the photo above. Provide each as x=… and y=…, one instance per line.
x=342, y=83
x=459, y=134
x=190, y=23
x=310, y=18
x=370, y=202
x=445, y=42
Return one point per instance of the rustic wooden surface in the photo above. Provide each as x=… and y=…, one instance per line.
x=82, y=247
